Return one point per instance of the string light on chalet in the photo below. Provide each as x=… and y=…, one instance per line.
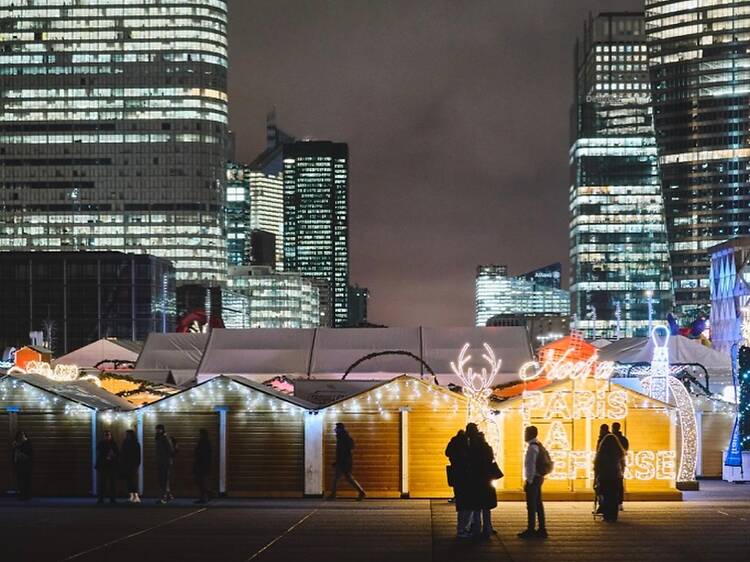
x=659, y=384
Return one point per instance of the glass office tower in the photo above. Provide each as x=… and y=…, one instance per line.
x=113, y=129
x=237, y=214
x=619, y=263
x=699, y=58
x=316, y=217
x=498, y=294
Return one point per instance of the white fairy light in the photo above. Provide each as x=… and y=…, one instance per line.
x=478, y=389
x=659, y=384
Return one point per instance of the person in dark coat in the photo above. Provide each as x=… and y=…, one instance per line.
x=202, y=465
x=23, y=462
x=482, y=494
x=608, y=474
x=130, y=462
x=107, y=463
x=164, y=459
x=603, y=432
x=617, y=432
x=344, y=462
x=457, y=452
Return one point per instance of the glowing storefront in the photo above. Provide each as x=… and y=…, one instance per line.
x=568, y=414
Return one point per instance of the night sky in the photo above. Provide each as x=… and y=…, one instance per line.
x=456, y=113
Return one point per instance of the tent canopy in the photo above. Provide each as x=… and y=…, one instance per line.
x=266, y=352
x=682, y=351
x=172, y=351
x=326, y=353
x=105, y=349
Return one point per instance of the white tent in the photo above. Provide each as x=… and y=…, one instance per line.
x=105, y=349
x=510, y=343
x=337, y=350
x=260, y=353
x=682, y=351
x=326, y=353
x=179, y=354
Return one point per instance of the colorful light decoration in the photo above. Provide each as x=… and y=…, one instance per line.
x=477, y=388
x=61, y=373
x=659, y=384
x=558, y=408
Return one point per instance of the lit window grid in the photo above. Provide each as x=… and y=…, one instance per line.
x=496, y=294
x=701, y=163
x=282, y=300
x=316, y=222
x=62, y=52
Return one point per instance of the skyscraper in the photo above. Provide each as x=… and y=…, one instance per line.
x=496, y=293
x=699, y=55
x=316, y=217
x=113, y=129
x=237, y=214
x=264, y=177
x=619, y=263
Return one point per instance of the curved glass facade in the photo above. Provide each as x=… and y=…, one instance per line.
x=618, y=247
x=699, y=58
x=113, y=128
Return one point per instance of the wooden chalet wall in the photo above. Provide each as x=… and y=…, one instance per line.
x=648, y=426
x=400, y=431
x=264, y=439
x=60, y=434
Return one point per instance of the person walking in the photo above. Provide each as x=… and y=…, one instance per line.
x=23, y=462
x=536, y=466
x=457, y=452
x=617, y=431
x=344, y=462
x=165, y=452
x=107, y=463
x=202, y=465
x=608, y=475
x=130, y=462
x=482, y=494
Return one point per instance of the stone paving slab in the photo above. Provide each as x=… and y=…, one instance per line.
x=713, y=525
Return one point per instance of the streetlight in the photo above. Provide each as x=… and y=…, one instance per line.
x=650, y=301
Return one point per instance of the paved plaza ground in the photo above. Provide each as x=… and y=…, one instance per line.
x=713, y=524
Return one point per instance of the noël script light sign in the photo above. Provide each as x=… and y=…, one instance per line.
x=589, y=398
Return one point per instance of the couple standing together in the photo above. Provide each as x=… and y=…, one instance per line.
x=471, y=475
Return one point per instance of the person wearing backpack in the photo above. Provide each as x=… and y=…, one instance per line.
x=344, y=462
x=537, y=464
x=165, y=452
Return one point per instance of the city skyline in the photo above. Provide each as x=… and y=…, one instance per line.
x=441, y=118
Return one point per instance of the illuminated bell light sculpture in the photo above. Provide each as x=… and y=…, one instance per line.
x=477, y=388
x=659, y=384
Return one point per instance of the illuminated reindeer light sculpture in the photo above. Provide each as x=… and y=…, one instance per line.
x=477, y=388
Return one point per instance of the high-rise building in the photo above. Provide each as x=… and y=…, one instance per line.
x=75, y=298
x=265, y=184
x=316, y=217
x=267, y=207
x=113, y=129
x=358, y=297
x=547, y=276
x=619, y=262
x=276, y=300
x=699, y=55
x=263, y=248
x=237, y=214
x=496, y=293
